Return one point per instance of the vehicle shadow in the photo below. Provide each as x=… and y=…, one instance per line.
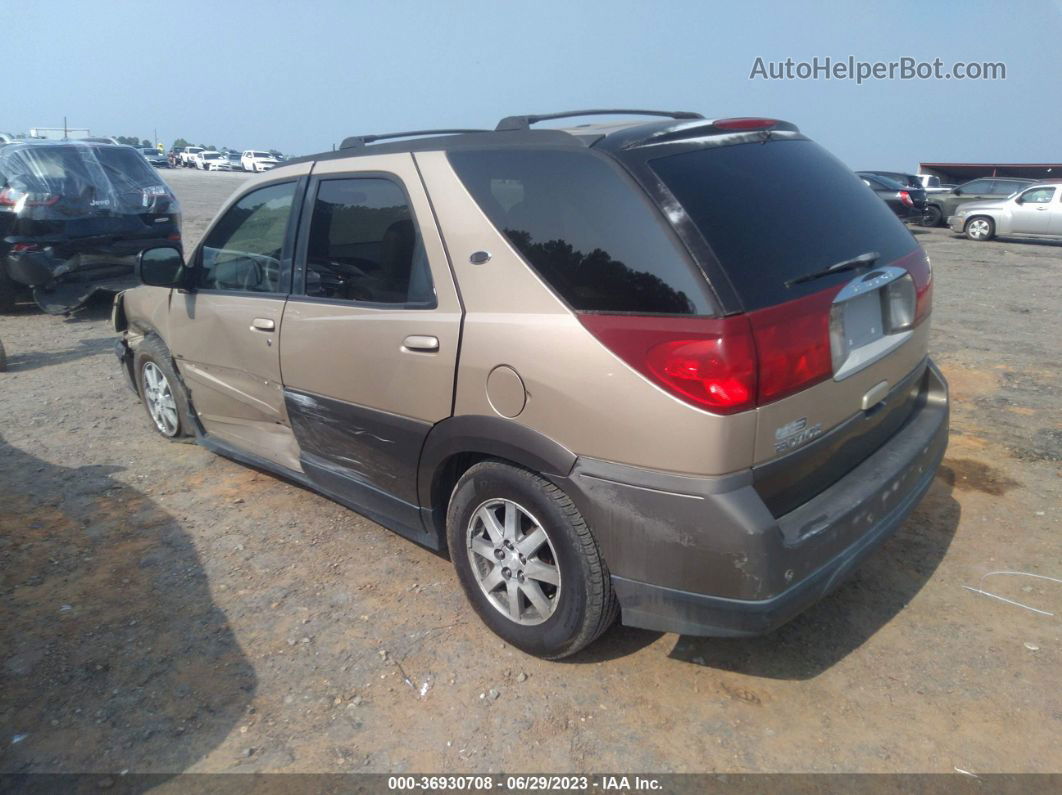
x=20, y=362
x=880, y=588
x=1028, y=241
x=115, y=656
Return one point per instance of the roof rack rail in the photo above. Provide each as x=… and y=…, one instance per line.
x=355, y=141
x=510, y=123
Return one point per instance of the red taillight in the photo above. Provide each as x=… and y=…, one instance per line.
x=728, y=364
x=18, y=248
x=10, y=197
x=917, y=264
x=709, y=362
x=744, y=124
x=717, y=373
x=175, y=237
x=735, y=363
x=793, y=344
x=905, y=198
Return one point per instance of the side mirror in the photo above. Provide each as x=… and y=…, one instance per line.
x=1019, y=200
x=161, y=267
x=957, y=191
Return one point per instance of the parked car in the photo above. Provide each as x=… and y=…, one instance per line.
x=235, y=160
x=589, y=409
x=941, y=206
x=907, y=180
x=188, y=155
x=908, y=202
x=211, y=161
x=74, y=216
x=258, y=161
x=155, y=157
x=1035, y=211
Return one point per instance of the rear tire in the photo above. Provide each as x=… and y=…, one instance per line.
x=161, y=390
x=545, y=555
x=3, y=359
x=980, y=228
x=932, y=216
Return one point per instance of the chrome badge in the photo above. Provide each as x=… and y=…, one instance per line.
x=795, y=433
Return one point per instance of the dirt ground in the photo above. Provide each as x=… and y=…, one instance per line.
x=167, y=610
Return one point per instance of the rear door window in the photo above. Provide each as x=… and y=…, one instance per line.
x=588, y=231
x=774, y=211
x=363, y=245
x=978, y=186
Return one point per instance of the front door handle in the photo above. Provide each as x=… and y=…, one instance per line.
x=263, y=324
x=420, y=342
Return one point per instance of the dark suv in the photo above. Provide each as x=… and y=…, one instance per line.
x=621, y=368
x=74, y=216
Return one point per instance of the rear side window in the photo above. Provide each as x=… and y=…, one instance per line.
x=775, y=211
x=364, y=245
x=588, y=232
x=1004, y=188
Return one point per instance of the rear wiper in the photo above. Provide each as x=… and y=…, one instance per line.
x=862, y=261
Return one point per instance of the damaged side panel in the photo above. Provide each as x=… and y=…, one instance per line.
x=362, y=457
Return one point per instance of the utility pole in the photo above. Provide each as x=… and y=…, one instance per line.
x=64, y=128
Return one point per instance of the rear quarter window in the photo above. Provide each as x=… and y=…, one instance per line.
x=586, y=229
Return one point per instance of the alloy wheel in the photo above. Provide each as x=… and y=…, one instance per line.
x=158, y=395
x=514, y=562
x=978, y=229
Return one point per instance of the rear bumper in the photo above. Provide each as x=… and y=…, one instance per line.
x=704, y=556
x=79, y=259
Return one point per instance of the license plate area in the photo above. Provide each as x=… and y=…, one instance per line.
x=860, y=330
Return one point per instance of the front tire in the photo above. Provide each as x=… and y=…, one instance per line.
x=527, y=561
x=161, y=390
x=980, y=228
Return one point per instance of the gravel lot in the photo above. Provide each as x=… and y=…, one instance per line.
x=167, y=610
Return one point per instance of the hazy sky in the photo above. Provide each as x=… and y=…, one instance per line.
x=299, y=76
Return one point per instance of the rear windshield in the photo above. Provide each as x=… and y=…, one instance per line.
x=591, y=234
x=778, y=210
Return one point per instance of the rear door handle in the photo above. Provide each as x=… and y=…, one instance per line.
x=263, y=324
x=421, y=342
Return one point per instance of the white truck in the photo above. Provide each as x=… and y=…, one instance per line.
x=188, y=156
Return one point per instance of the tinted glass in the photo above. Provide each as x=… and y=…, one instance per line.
x=778, y=210
x=883, y=183
x=242, y=252
x=1004, y=187
x=592, y=235
x=977, y=186
x=364, y=245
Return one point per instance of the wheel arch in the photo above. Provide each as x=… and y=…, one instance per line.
x=458, y=443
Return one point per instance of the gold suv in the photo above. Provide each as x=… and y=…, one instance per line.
x=672, y=370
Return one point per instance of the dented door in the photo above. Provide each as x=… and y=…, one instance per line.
x=368, y=347
x=224, y=333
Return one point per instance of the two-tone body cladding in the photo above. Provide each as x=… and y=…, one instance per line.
x=570, y=359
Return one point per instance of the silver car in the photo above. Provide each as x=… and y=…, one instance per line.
x=1035, y=211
